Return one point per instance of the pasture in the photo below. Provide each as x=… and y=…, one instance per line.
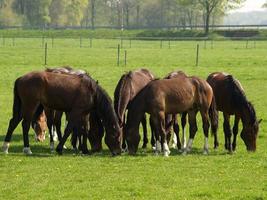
x=145, y=176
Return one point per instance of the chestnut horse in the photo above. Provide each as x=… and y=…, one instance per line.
x=231, y=100
x=77, y=95
x=172, y=96
x=171, y=122
x=127, y=88
x=40, y=126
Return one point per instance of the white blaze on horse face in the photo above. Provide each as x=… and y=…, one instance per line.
x=206, y=145
x=184, y=139
x=5, y=147
x=27, y=150
x=166, y=149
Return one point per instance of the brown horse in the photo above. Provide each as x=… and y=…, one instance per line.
x=172, y=96
x=171, y=121
x=69, y=93
x=96, y=131
x=127, y=88
x=40, y=127
x=231, y=100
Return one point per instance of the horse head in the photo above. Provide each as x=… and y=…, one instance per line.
x=40, y=128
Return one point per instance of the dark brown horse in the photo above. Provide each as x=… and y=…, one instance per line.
x=127, y=88
x=231, y=100
x=73, y=94
x=95, y=127
x=172, y=96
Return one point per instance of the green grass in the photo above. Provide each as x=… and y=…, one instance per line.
x=145, y=176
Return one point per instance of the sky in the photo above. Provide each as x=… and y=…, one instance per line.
x=251, y=5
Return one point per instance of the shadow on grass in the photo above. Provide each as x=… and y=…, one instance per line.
x=15, y=138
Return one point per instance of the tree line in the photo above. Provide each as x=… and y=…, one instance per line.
x=122, y=14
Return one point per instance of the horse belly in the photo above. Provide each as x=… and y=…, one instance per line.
x=178, y=105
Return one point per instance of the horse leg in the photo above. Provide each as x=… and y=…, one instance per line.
x=152, y=140
x=13, y=123
x=176, y=137
x=124, y=145
x=227, y=132
x=26, y=127
x=154, y=122
x=183, y=122
x=161, y=129
x=192, y=130
x=206, y=126
x=83, y=140
x=145, y=139
x=235, y=131
x=67, y=132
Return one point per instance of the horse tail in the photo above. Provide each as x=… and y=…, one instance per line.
x=16, y=101
x=213, y=114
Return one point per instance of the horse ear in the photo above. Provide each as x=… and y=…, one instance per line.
x=259, y=121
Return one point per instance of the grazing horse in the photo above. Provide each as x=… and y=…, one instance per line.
x=171, y=121
x=76, y=95
x=96, y=131
x=40, y=127
x=231, y=100
x=172, y=96
x=127, y=88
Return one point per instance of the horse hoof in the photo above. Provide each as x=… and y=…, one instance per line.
x=166, y=153
x=5, y=147
x=27, y=151
x=205, y=152
x=59, y=151
x=85, y=152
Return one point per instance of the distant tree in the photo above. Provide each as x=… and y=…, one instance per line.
x=209, y=6
x=57, y=12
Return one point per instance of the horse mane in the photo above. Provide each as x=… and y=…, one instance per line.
x=123, y=81
x=104, y=107
x=239, y=98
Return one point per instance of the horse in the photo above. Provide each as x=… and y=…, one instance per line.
x=172, y=96
x=76, y=95
x=231, y=100
x=171, y=121
x=127, y=88
x=96, y=131
x=40, y=127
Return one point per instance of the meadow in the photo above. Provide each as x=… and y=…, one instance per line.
x=219, y=175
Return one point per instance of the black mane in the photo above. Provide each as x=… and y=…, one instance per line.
x=239, y=98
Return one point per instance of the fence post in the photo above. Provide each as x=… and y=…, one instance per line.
x=161, y=44
x=197, y=55
x=118, y=57
x=125, y=57
x=169, y=43
x=247, y=44
x=46, y=53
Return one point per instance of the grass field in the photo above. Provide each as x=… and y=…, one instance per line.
x=145, y=176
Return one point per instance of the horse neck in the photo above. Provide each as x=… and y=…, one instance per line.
x=104, y=108
x=246, y=115
x=136, y=111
